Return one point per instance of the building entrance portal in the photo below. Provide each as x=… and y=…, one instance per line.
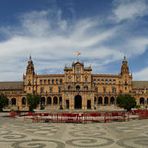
x=78, y=102
x=88, y=104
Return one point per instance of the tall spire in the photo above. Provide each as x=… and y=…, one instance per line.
x=30, y=59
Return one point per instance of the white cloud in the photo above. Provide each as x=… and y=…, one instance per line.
x=129, y=9
x=134, y=46
x=40, y=37
x=52, y=41
x=141, y=75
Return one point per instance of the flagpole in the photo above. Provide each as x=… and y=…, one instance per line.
x=77, y=53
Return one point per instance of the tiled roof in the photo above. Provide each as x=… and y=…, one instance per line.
x=50, y=75
x=105, y=75
x=18, y=85
x=140, y=84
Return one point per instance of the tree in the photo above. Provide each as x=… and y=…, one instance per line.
x=33, y=101
x=3, y=101
x=126, y=101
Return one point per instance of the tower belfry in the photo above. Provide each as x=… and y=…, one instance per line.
x=124, y=67
x=30, y=67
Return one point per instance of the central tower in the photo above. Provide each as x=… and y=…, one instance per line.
x=78, y=86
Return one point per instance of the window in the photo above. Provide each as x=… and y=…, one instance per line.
x=86, y=78
x=69, y=87
x=29, y=82
x=104, y=89
x=50, y=89
x=59, y=89
x=55, y=100
x=56, y=81
x=113, y=90
x=77, y=87
x=61, y=81
x=52, y=81
x=42, y=90
x=78, y=70
x=48, y=81
x=49, y=100
x=23, y=101
x=60, y=100
x=95, y=81
x=13, y=101
x=40, y=81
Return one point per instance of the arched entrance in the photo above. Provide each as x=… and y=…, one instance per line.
x=13, y=101
x=112, y=100
x=106, y=101
x=142, y=101
x=78, y=102
x=100, y=100
x=42, y=100
x=88, y=104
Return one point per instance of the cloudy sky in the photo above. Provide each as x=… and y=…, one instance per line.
x=52, y=30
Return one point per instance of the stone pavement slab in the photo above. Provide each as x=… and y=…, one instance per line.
x=17, y=133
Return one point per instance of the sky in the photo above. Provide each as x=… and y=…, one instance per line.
x=51, y=31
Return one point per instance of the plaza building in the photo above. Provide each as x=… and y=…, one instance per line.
x=77, y=88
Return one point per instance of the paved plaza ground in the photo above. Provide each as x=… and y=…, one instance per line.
x=17, y=133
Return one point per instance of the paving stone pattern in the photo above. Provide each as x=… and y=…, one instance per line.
x=17, y=133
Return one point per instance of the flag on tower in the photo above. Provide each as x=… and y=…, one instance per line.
x=77, y=53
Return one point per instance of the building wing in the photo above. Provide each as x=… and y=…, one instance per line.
x=18, y=85
x=139, y=84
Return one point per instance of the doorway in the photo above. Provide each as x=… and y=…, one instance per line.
x=78, y=102
x=67, y=104
x=88, y=104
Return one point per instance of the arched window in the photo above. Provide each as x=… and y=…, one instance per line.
x=69, y=87
x=113, y=90
x=49, y=100
x=61, y=81
x=55, y=100
x=60, y=99
x=23, y=101
x=77, y=87
x=59, y=89
x=95, y=100
x=100, y=100
x=112, y=100
x=52, y=81
x=56, y=81
x=48, y=81
x=105, y=100
x=44, y=81
x=13, y=101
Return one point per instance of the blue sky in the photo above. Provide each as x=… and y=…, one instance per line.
x=53, y=30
